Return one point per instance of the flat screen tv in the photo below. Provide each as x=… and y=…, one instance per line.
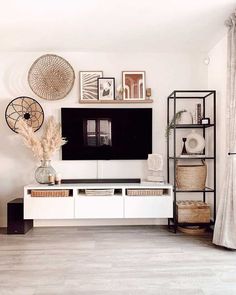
x=106, y=134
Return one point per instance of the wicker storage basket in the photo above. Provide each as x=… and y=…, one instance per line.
x=191, y=177
x=99, y=192
x=193, y=212
x=144, y=192
x=49, y=193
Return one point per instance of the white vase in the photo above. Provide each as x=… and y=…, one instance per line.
x=195, y=143
x=186, y=118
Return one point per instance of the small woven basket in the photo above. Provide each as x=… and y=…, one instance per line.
x=191, y=177
x=144, y=192
x=50, y=193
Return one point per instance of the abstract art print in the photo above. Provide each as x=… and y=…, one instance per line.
x=88, y=85
x=106, y=88
x=133, y=85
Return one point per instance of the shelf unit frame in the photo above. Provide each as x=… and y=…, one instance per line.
x=190, y=95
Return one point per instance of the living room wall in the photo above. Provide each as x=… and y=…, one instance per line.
x=164, y=73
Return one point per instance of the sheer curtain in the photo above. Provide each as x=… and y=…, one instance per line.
x=225, y=227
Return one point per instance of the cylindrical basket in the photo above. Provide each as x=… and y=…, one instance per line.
x=191, y=177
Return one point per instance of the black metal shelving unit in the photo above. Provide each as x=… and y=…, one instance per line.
x=173, y=98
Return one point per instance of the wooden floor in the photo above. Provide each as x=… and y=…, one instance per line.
x=133, y=260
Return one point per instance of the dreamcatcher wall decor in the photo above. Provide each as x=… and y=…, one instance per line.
x=51, y=77
x=25, y=108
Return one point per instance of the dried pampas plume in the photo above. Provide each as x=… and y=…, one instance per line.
x=43, y=148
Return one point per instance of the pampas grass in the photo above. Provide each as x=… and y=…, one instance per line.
x=43, y=148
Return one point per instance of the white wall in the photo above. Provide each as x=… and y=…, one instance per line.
x=217, y=78
x=164, y=73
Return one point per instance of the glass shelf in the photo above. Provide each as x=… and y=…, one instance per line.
x=192, y=158
x=184, y=126
x=206, y=190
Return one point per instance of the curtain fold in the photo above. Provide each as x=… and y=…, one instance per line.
x=225, y=226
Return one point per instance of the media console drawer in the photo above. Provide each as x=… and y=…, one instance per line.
x=48, y=207
x=99, y=207
x=148, y=207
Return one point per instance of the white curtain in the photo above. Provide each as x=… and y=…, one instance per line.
x=225, y=226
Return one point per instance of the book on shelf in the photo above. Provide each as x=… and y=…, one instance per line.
x=198, y=114
x=192, y=156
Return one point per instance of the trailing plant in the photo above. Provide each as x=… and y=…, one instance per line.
x=174, y=120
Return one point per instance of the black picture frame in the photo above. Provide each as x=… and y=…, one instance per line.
x=108, y=94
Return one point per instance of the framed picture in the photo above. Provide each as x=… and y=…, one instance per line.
x=205, y=121
x=106, y=88
x=134, y=85
x=88, y=85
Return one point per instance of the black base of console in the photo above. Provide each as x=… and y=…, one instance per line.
x=102, y=180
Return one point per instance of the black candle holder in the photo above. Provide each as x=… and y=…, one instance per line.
x=184, y=151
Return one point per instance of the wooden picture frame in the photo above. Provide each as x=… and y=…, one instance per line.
x=88, y=85
x=106, y=88
x=134, y=85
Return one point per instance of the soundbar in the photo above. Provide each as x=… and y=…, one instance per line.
x=101, y=180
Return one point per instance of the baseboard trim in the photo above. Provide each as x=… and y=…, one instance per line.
x=99, y=222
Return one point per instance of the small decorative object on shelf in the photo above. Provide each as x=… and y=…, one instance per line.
x=155, y=168
x=58, y=179
x=106, y=88
x=88, y=81
x=148, y=92
x=184, y=151
x=205, y=121
x=119, y=91
x=27, y=109
x=195, y=143
x=185, y=118
x=134, y=85
x=51, y=77
x=43, y=148
x=51, y=178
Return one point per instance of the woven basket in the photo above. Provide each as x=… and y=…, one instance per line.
x=144, y=192
x=191, y=177
x=50, y=193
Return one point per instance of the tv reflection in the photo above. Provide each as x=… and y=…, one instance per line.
x=98, y=132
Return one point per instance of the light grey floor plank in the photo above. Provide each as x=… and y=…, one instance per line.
x=116, y=260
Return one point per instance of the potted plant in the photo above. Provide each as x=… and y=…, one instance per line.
x=43, y=147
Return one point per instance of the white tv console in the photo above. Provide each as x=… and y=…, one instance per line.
x=80, y=206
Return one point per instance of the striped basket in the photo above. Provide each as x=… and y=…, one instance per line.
x=144, y=192
x=49, y=193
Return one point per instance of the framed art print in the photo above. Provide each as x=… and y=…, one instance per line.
x=134, y=85
x=106, y=88
x=88, y=85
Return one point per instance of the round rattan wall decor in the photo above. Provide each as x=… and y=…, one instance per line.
x=26, y=108
x=51, y=77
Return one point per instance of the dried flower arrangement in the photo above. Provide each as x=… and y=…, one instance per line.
x=43, y=148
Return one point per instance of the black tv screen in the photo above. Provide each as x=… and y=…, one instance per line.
x=106, y=134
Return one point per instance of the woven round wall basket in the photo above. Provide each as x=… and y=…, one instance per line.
x=25, y=108
x=51, y=77
x=191, y=177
